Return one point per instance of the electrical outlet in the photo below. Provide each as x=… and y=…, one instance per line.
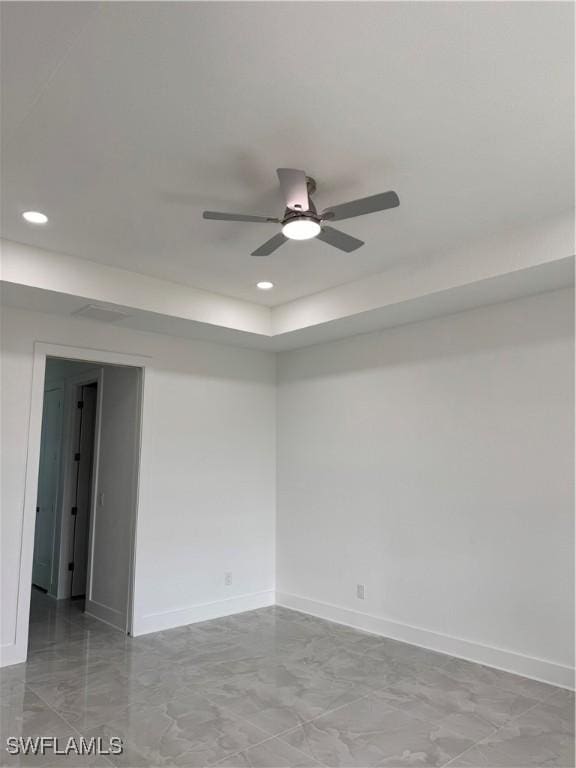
x=228, y=578
x=360, y=593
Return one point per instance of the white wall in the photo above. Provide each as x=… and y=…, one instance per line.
x=433, y=463
x=207, y=491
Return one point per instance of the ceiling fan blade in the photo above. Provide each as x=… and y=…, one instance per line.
x=370, y=204
x=294, y=188
x=339, y=239
x=238, y=217
x=270, y=245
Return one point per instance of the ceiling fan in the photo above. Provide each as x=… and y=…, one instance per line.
x=301, y=221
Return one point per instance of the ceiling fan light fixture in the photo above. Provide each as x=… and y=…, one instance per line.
x=301, y=228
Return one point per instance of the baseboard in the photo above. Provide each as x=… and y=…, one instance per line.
x=106, y=614
x=155, y=622
x=509, y=661
x=10, y=654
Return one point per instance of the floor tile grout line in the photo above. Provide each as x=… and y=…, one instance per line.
x=269, y=737
x=288, y=730
x=536, y=703
x=433, y=723
x=464, y=736
x=411, y=715
x=355, y=701
x=506, y=690
x=259, y=744
x=245, y=749
x=500, y=727
x=522, y=714
x=382, y=638
x=159, y=705
x=460, y=754
x=449, y=659
x=279, y=734
x=345, y=645
x=137, y=699
x=61, y=717
x=276, y=737
x=534, y=697
x=557, y=690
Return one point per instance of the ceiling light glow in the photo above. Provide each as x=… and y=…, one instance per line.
x=301, y=228
x=265, y=285
x=35, y=217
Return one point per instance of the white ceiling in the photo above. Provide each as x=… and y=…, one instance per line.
x=123, y=121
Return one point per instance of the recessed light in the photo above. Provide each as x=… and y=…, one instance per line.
x=301, y=228
x=265, y=285
x=35, y=217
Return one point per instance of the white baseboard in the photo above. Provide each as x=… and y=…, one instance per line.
x=155, y=622
x=509, y=661
x=10, y=654
x=106, y=614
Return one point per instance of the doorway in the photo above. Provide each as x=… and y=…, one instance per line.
x=86, y=496
x=84, y=438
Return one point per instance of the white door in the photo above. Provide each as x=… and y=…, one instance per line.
x=113, y=513
x=48, y=481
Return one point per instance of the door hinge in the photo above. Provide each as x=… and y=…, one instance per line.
x=76, y=457
x=37, y=510
x=70, y=566
x=74, y=511
x=80, y=403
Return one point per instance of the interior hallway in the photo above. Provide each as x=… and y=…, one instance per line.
x=274, y=687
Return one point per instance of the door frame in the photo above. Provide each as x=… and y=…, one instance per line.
x=55, y=386
x=42, y=350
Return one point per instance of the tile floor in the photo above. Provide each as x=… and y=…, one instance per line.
x=273, y=688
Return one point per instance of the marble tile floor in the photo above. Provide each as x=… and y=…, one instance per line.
x=272, y=688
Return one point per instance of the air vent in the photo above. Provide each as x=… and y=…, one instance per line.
x=103, y=314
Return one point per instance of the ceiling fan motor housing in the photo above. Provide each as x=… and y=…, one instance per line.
x=310, y=214
x=290, y=214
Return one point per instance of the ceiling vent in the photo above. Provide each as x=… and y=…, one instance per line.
x=102, y=314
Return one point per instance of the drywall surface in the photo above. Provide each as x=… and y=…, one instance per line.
x=433, y=463
x=207, y=489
